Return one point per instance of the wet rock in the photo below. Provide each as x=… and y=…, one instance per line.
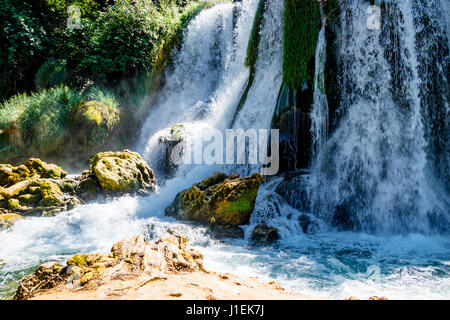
x=39, y=188
x=128, y=258
x=122, y=172
x=226, y=232
x=30, y=169
x=8, y=219
x=265, y=234
x=294, y=192
x=88, y=188
x=175, y=136
x=230, y=200
x=308, y=225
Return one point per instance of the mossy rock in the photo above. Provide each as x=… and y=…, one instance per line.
x=91, y=124
x=8, y=219
x=51, y=193
x=122, y=172
x=13, y=204
x=31, y=169
x=30, y=198
x=220, y=199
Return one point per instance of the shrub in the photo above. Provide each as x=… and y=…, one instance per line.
x=52, y=73
x=38, y=124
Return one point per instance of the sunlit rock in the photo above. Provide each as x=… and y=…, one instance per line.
x=226, y=200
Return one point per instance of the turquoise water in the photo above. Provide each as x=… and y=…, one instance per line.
x=329, y=264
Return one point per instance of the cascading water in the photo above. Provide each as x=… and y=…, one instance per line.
x=204, y=86
x=374, y=167
x=371, y=175
x=319, y=111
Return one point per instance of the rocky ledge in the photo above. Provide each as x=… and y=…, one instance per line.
x=137, y=269
x=38, y=188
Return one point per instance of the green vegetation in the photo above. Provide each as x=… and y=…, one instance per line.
x=113, y=59
x=301, y=30
x=37, y=124
x=255, y=37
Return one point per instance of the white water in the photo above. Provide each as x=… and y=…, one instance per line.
x=319, y=111
x=202, y=92
x=374, y=165
x=204, y=87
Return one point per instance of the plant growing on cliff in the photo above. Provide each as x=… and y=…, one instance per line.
x=301, y=30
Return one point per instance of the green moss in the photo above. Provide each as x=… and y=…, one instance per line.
x=301, y=30
x=30, y=198
x=13, y=204
x=79, y=260
x=255, y=37
x=51, y=193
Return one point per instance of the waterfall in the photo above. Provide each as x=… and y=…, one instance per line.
x=204, y=85
x=319, y=110
x=260, y=103
x=372, y=173
x=382, y=168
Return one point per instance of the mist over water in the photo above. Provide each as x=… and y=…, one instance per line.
x=376, y=165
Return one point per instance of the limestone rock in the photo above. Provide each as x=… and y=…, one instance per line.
x=128, y=258
x=30, y=169
x=227, y=200
x=46, y=276
x=122, y=171
x=39, y=188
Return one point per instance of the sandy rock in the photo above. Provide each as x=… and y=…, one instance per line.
x=128, y=258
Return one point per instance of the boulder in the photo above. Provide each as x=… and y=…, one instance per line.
x=38, y=188
x=294, y=191
x=128, y=258
x=229, y=200
x=123, y=171
x=30, y=169
x=46, y=276
x=265, y=234
x=169, y=141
